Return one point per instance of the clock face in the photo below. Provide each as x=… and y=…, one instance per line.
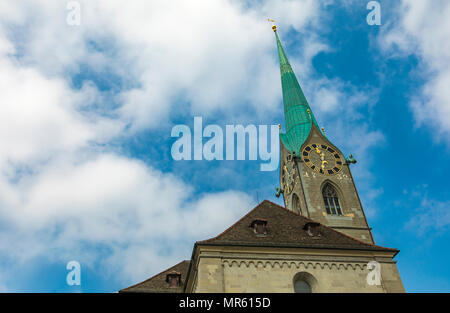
x=288, y=176
x=322, y=159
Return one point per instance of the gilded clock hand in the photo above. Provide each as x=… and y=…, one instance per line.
x=318, y=150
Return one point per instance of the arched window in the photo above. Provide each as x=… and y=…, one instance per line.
x=301, y=286
x=330, y=197
x=304, y=282
x=295, y=203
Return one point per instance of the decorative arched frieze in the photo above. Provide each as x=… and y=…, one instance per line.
x=281, y=264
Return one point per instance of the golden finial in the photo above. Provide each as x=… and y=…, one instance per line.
x=323, y=130
x=274, y=27
x=279, y=126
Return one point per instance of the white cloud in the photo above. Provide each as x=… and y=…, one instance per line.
x=60, y=195
x=62, y=192
x=114, y=203
x=432, y=216
x=37, y=116
x=213, y=55
x=423, y=29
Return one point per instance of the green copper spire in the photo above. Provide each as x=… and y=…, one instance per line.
x=298, y=115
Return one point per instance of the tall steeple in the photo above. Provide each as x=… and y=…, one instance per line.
x=299, y=117
x=315, y=182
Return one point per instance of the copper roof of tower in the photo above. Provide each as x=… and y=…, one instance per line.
x=298, y=115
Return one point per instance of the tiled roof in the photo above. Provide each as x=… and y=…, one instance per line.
x=158, y=282
x=285, y=229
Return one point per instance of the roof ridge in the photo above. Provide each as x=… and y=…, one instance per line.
x=226, y=230
x=148, y=279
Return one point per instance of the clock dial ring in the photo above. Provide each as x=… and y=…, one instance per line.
x=289, y=174
x=322, y=159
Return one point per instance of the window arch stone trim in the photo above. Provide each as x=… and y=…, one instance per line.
x=308, y=278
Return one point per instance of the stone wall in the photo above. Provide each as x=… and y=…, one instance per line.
x=244, y=272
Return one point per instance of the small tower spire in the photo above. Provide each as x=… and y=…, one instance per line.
x=274, y=27
x=297, y=112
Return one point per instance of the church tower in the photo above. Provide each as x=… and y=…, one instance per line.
x=315, y=176
x=318, y=242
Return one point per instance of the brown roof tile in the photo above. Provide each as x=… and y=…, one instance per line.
x=158, y=282
x=285, y=228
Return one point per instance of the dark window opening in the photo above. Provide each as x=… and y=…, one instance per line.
x=301, y=286
x=259, y=226
x=173, y=279
x=296, y=203
x=312, y=229
x=330, y=197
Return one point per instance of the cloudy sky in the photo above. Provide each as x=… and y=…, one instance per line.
x=86, y=113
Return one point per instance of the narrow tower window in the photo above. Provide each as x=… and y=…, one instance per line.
x=331, y=200
x=295, y=203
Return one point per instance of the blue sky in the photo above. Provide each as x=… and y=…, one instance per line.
x=86, y=114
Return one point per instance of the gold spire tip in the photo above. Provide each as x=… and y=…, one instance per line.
x=274, y=27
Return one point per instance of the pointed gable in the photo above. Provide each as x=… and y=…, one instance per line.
x=160, y=283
